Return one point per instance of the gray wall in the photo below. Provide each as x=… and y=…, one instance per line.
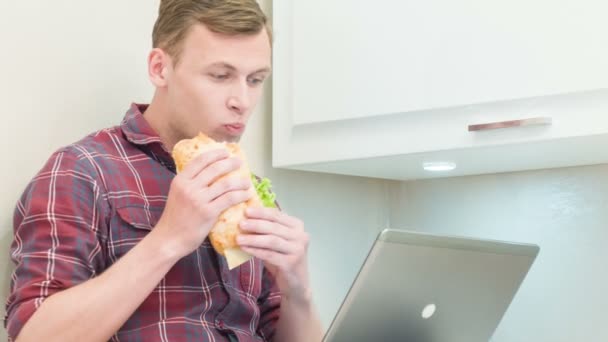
x=564, y=211
x=343, y=215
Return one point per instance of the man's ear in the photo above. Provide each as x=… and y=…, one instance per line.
x=158, y=64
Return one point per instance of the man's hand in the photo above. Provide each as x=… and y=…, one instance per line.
x=196, y=200
x=282, y=243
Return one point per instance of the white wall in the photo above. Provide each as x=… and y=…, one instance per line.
x=565, y=211
x=68, y=68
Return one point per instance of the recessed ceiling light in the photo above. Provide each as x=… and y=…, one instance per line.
x=439, y=166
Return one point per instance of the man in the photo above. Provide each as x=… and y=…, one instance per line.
x=110, y=244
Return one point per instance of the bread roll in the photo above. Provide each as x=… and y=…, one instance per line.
x=225, y=230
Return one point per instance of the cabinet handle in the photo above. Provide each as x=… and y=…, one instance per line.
x=511, y=123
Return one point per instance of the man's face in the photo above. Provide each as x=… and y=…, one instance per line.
x=216, y=84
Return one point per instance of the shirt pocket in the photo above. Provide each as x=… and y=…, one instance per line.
x=129, y=225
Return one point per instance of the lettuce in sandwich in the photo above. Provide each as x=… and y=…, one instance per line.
x=262, y=187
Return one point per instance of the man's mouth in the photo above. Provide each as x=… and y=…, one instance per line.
x=235, y=128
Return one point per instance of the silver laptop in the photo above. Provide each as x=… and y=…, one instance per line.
x=429, y=288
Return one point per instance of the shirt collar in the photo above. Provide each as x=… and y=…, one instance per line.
x=136, y=128
x=138, y=131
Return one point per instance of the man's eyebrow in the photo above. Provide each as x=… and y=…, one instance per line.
x=266, y=69
x=222, y=65
x=233, y=68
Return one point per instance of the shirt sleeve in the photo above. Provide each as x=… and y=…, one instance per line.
x=270, y=306
x=58, y=236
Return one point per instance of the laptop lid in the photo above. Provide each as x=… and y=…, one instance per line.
x=431, y=288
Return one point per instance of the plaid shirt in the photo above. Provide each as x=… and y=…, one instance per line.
x=89, y=205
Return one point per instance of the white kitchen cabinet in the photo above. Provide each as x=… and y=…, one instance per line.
x=378, y=88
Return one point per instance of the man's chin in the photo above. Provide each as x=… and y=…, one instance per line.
x=226, y=138
x=234, y=139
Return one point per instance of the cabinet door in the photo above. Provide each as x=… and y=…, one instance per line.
x=357, y=80
x=354, y=58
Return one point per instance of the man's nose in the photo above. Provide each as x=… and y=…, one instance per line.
x=239, y=100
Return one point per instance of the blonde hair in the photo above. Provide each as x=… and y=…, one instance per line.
x=229, y=17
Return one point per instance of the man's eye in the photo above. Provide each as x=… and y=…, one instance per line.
x=256, y=81
x=219, y=77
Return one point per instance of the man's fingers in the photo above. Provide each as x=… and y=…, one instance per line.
x=229, y=199
x=275, y=215
x=253, y=226
x=269, y=242
x=198, y=164
x=225, y=185
x=216, y=170
x=269, y=257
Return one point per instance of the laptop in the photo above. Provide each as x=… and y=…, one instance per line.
x=430, y=288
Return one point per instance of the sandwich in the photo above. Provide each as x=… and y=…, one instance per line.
x=225, y=230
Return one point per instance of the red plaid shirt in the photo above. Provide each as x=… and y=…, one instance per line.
x=89, y=205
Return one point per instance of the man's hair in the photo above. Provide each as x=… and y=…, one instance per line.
x=229, y=17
